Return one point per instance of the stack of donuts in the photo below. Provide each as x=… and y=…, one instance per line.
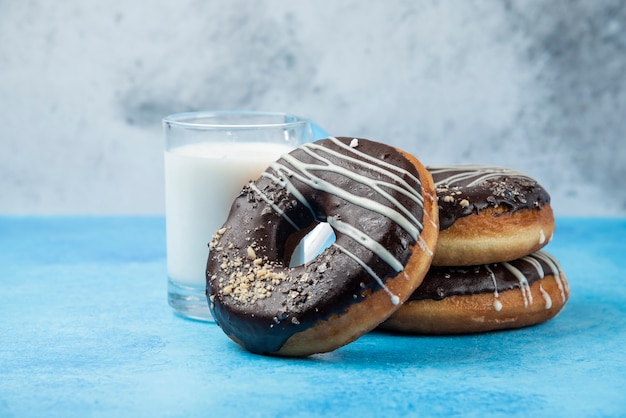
x=488, y=272
x=433, y=250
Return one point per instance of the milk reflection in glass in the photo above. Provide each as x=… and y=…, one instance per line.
x=201, y=181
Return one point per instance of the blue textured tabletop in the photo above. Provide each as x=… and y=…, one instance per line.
x=86, y=331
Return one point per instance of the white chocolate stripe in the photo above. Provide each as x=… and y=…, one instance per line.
x=554, y=266
x=533, y=260
x=394, y=298
x=367, y=242
x=373, y=159
x=350, y=231
x=273, y=205
x=423, y=246
x=375, y=184
x=536, y=264
x=407, y=187
x=497, y=305
x=395, y=211
x=469, y=168
x=481, y=173
x=493, y=279
x=546, y=297
x=284, y=182
x=388, y=258
x=480, y=178
x=523, y=284
x=319, y=184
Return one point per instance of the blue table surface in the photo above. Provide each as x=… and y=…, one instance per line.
x=86, y=331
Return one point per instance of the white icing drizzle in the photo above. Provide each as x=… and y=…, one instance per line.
x=285, y=183
x=533, y=260
x=305, y=173
x=394, y=298
x=273, y=205
x=497, y=305
x=523, y=284
x=546, y=297
x=407, y=190
x=556, y=269
x=367, y=242
x=536, y=264
x=479, y=172
x=430, y=218
x=315, y=182
x=422, y=244
x=370, y=158
x=405, y=219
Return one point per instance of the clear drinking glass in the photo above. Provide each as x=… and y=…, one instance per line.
x=209, y=157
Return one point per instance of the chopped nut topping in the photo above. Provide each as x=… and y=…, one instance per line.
x=249, y=280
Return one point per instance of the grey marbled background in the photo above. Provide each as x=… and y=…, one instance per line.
x=536, y=85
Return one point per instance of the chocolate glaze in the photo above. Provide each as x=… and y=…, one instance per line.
x=268, y=212
x=466, y=189
x=442, y=282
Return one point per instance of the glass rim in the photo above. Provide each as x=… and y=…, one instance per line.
x=190, y=120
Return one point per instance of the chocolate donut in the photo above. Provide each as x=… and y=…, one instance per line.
x=458, y=300
x=489, y=214
x=381, y=204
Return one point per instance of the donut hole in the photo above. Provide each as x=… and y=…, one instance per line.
x=310, y=243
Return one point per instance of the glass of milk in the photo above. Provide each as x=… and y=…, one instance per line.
x=209, y=157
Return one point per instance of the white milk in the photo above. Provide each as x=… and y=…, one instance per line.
x=201, y=182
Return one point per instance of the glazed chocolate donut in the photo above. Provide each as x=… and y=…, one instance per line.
x=381, y=204
x=489, y=214
x=460, y=300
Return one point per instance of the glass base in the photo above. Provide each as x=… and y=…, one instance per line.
x=187, y=301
